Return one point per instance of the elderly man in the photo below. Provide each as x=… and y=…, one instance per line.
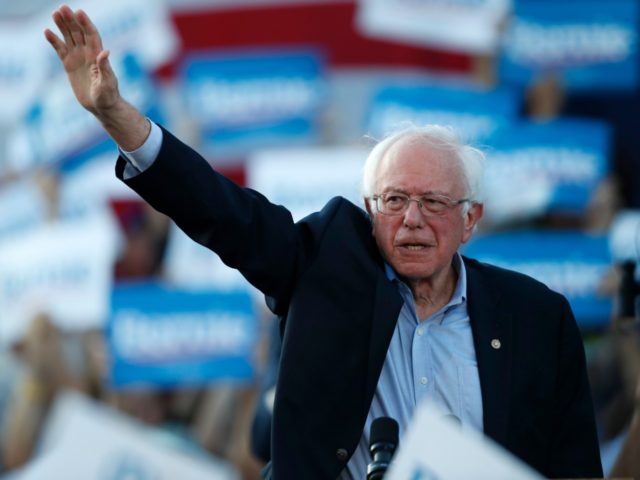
x=377, y=308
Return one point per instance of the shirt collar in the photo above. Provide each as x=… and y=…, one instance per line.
x=459, y=294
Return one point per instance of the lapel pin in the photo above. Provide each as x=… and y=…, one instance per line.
x=495, y=343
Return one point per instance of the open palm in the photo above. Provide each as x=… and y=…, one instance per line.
x=85, y=61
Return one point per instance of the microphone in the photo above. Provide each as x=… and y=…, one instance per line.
x=383, y=441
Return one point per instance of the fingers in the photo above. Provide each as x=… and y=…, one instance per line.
x=76, y=28
x=91, y=35
x=57, y=44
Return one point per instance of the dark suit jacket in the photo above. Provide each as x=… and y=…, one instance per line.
x=324, y=277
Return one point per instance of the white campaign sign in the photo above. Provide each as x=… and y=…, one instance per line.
x=23, y=68
x=23, y=206
x=304, y=179
x=84, y=440
x=27, y=61
x=435, y=448
x=63, y=269
x=189, y=265
x=463, y=25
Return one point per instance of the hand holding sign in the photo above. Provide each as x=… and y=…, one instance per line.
x=92, y=79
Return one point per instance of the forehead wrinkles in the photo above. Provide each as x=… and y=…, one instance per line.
x=417, y=158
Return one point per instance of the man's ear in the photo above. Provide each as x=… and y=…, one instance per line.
x=367, y=206
x=471, y=219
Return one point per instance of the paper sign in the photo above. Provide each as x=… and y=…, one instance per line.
x=435, y=448
x=571, y=263
x=63, y=269
x=164, y=337
x=85, y=440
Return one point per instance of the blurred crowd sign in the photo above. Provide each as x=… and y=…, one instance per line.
x=566, y=159
x=624, y=237
x=189, y=265
x=571, y=263
x=58, y=130
x=92, y=186
x=165, y=337
x=85, y=440
x=63, y=269
x=590, y=44
x=435, y=448
x=23, y=71
x=243, y=99
x=470, y=26
x=304, y=179
x=472, y=112
x=23, y=206
x=28, y=63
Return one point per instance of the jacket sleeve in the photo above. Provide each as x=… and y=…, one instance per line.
x=575, y=450
x=248, y=232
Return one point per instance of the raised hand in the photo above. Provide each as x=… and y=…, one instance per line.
x=92, y=79
x=85, y=61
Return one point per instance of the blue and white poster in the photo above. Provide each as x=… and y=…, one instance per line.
x=472, y=112
x=565, y=159
x=164, y=337
x=247, y=99
x=58, y=131
x=589, y=44
x=571, y=263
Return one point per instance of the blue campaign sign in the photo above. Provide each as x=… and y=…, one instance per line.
x=590, y=44
x=253, y=98
x=568, y=156
x=163, y=337
x=472, y=112
x=571, y=263
x=59, y=131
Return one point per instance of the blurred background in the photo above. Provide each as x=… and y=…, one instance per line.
x=128, y=351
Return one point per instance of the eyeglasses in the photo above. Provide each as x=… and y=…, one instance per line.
x=396, y=203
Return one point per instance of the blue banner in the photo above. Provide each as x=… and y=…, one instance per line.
x=255, y=98
x=590, y=44
x=58, y=131
x=571, y=263
x=164, y=337
x=473, y=113
x=569, y=157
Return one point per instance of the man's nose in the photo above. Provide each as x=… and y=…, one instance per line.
x=413, y=217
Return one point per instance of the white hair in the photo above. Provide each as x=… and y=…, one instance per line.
x=470, y=159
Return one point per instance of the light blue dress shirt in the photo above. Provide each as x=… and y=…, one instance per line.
x=432, y=358
x=428, y=359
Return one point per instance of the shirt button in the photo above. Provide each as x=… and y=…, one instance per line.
x=420, y=331
x=495, y=343
x=424, y=380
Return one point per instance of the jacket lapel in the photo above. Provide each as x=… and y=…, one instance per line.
x=387, y=305
x=491, y=327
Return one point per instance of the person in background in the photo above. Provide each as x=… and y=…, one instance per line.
x=377, y=308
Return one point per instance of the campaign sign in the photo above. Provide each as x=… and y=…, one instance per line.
x=473, y=113
x=86, y=440
x=570, y=157
x=63, y=269
x=590, y=44
x=57, y=130
x=571, y=263
x=461, y=25
x=436, y=448
x=22, y=57
x=165, y=337
x=252, y=98
x=305, y=179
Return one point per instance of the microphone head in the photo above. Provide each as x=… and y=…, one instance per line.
x=384, y=429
